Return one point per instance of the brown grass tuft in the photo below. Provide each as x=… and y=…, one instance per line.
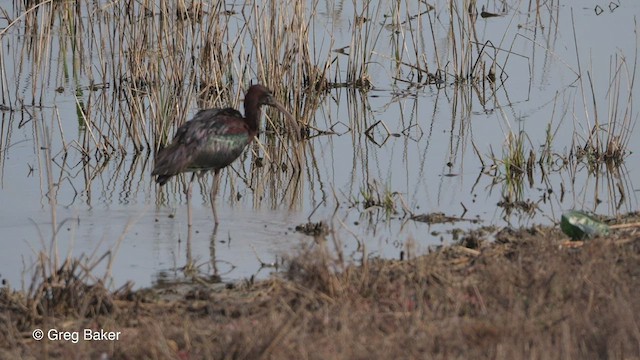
x=523, y=295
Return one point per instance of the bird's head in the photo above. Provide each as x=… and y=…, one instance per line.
x=260, y=95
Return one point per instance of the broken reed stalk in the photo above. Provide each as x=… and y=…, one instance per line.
x=625, y=226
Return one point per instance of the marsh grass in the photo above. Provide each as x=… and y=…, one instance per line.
x=137, y=70
x=515, y=157
x=374, y=196
x=60, y=283
x=466, y=63
x=514, y=170
x=523, y=295
x=378, y=202
x=606, y=140
x=601, y=138
x=599, y=145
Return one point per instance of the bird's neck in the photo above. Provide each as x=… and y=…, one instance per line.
x=252, y=113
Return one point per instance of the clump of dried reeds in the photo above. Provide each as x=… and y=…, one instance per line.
x=514, y=293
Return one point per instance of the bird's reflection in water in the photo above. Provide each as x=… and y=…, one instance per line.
x=192, y=270
x=212, y=254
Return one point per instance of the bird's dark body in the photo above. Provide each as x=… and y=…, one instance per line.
x=212, y=140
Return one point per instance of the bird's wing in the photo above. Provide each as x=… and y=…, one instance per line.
x=208, y=130
x=205, y=114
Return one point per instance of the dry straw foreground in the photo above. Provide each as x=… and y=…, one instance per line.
x=523, y=296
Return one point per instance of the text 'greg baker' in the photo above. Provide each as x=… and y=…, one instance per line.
x=90, y=335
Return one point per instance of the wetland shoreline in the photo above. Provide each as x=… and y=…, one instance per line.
x=527, y=294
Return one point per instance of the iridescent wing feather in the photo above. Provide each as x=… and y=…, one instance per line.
x=213, y=139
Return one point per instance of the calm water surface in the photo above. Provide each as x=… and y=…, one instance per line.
x=433, y=164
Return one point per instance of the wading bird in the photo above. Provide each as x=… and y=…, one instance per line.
x=212, y=140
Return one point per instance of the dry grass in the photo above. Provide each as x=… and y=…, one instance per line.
x=136, y=70
x=523, y=296
x=136, y=67
x=607, y=134
x=608, y=140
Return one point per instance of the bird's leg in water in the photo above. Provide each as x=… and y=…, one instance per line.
x=212, y=196
x=189, y=223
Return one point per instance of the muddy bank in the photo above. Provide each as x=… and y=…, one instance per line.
x=528, y=294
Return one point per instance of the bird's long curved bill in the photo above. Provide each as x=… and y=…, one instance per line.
x=293, y=124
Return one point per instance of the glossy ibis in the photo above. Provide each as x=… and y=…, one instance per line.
x=213, y=139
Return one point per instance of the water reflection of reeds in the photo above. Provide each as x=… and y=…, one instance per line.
x=134, y=71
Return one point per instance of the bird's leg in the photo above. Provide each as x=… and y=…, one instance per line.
x=212, y=252
x=189, y=188
x=212, y=196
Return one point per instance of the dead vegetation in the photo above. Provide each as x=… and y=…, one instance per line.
x=523, y=295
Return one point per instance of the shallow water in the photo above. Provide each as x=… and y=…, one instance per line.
x=432, y=164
